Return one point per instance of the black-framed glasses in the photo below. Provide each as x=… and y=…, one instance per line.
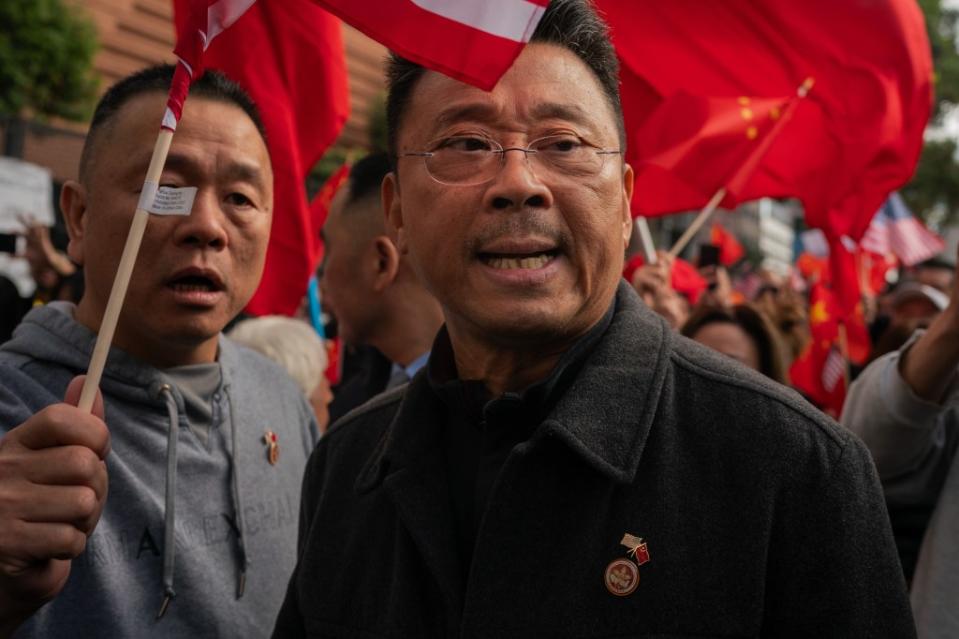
x=469, y=160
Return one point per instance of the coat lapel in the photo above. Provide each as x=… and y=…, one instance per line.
x=629, y=366
x=412, y=469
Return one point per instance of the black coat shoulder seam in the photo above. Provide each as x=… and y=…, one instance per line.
x=808, y=412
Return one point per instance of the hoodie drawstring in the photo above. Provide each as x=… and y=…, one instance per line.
x=169, y=539
x=237, y=500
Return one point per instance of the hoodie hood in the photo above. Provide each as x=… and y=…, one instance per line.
x=50, y=334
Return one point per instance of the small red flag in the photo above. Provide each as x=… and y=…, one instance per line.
x=685, y=279
x=811, y=267
x=474, y=42
x=641, y=554
x=819, y=372
x=289, y=57
x=730, y=250
x=872, y=269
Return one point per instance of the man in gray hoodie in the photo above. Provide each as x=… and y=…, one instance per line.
x=201, y=441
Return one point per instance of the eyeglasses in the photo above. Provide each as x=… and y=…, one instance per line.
x=471, y=160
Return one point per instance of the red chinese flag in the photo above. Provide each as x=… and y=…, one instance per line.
x=817, y=372
x=823, y=314
x=691, y=146
x=289, y=56
x=642, y=554
x=730, y=250
x=820, y=371
x=474, y=42
x=852, y=140
x=827, y=301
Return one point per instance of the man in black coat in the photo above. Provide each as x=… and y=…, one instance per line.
x=566, y=466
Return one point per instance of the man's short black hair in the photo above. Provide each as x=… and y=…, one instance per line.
x=367, y=175
x=212, y=85
x=572, y=24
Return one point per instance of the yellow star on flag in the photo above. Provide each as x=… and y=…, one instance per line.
x=818, y=314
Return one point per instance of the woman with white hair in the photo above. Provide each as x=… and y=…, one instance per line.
x=294, y=345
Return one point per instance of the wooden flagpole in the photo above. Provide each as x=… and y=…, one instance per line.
x=128, y=259
x=646, y=239
x=697, y=224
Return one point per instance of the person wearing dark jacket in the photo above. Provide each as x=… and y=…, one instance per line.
x=370, y=289
x=565, y=466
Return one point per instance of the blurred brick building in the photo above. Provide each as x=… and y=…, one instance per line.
x=137, y=33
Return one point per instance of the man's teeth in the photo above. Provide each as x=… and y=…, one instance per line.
x=505, y=263
x=191, y=288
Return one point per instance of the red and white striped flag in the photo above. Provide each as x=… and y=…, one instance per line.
x=895, y=231
x=197, y=26
x=475, y=42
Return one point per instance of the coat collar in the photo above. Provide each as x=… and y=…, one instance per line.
x=604, y=416
x=608, y=410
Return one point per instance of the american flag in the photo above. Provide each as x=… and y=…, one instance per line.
x=894, y=230
x=833, y=370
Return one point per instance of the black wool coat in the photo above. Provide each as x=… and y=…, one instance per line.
x=761, y=517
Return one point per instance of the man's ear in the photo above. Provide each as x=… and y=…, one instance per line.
x=73, y=205
x=387, y=263
x=393, y=210
x=628, y=176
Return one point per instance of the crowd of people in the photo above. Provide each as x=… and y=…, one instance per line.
x=532, y=434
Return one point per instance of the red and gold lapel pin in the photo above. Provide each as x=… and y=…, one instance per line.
x=622, y=575
x=272, y=447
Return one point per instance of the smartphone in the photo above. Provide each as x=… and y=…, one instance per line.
x=8, y=243
x=708, y=255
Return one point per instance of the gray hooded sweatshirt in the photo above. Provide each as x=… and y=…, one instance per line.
x=232, y=514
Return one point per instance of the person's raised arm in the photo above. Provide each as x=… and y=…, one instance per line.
x=930, y=364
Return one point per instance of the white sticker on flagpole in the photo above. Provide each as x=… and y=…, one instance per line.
x=512, y=19
x=172, y=201
x=169, y=120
